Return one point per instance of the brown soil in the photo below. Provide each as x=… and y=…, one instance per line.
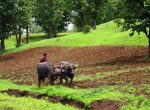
x=136, y=78
x=21, y=67
x=106, y=105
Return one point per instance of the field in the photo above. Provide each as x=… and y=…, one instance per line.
x=107, y=75
x=113, y=72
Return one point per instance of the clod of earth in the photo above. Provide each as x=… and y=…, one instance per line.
x=106, y=105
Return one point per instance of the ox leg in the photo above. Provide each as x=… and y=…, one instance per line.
x=51, y=79
x=66, y=80
x=71, y=81
x=61, y=80
x=55, y=77
x=71, y=77
x=39, y=82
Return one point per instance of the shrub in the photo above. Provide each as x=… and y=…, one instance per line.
x=86, y=29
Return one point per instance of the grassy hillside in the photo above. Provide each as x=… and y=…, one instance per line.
x=105, y=34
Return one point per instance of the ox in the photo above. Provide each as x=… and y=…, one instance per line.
x=67, y=70
x=46, y=69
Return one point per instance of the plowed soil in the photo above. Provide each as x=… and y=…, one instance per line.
x=21, y=67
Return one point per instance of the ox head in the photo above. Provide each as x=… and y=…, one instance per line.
x=68, y=68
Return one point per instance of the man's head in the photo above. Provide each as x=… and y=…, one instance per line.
x=45, y=54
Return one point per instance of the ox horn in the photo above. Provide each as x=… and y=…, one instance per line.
x=67, y=65
x=56, y=66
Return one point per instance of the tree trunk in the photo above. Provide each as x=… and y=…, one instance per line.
x=94, y=24
x=50, y=33
x=149, y=47
x=2, y=43
x=17, y=42
x=2, y=46
x=149, y=40
x=18, y=39
x=95, y=15
x=27, y=35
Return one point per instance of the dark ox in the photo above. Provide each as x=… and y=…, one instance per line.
x=67, y=70
x=44, y=70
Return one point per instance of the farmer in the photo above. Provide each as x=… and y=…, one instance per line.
x=44, y=59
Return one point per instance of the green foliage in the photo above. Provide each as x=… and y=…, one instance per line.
x=49, y=14
x=96, y=9
x=89, y=12
x=22, y=19
x=136, y=16
x=7, y=9
x=14, y=15
x=108, y=12
x=22, y=14
x=81, y=14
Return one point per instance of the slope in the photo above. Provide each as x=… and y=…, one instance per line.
x=105, y=34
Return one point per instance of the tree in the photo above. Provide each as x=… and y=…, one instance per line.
x=96, y=7
x=81, y=14
x=28, y=17
x=35, y=28
x=49, y=14
x=108, y=12
x=135, y=15
x=7, y=8
x=88, y=12
x=22, y=19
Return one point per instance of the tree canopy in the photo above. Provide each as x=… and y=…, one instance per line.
x=14, y=15
x=53, y=16
x=135, y=15
x=7, y=9
x=50, y=14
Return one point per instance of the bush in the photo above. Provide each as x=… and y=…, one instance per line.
x=86, y=29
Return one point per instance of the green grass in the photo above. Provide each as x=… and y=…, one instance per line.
x=28, y=103
x=84, y=95
x=125, y=94
x=105, y=34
